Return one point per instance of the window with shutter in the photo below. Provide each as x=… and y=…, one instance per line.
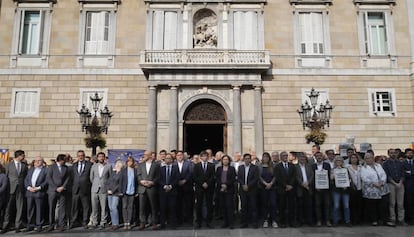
x=164, y=30
x=245, y=30
x=25, y=102
x=375, y=33
x=97, y=30
x=382, y=102
x=311, y=33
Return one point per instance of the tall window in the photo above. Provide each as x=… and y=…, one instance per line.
x=245, y=30
x=376, y=42
x=97, y=30
x=164, y=27
x=382, y=102
x=311, y=33
x=31, y=34
x=31, y=31
x=25, y=102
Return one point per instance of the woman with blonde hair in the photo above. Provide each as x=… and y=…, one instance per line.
x=340, y=191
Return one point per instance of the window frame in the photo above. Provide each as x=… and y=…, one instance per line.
x=372, y=102
x=34, y=113
x=104, y=59
x=91, y=91
x=312, y=60
x=369, y=60
x=41, y=57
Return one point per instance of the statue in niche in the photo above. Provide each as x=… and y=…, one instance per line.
x=205, y=29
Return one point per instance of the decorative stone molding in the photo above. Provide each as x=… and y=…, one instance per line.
x=294, y=2
x=375, y=2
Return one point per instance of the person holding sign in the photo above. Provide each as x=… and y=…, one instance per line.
x=322, y=194
x=341, y=183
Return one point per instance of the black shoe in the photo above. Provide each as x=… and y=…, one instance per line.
x=17, y=230
x=390, y=224
x=244, y=226
x=3, y=231
x=197, y=226
x=209, y=226
x=50, y=228
x=28, y=229
x=39, y=229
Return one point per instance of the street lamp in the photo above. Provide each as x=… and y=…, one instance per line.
x=92, y=126
x=315, y=116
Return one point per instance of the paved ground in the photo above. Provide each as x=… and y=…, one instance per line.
x=360, y=231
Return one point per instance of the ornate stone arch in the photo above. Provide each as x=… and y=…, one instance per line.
x=188, y=103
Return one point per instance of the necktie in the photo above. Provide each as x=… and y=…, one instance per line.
x=60, y=169
x=204, y=166
x=286, y=167
x=168, y=175
x=18, y=168
x=80, y=168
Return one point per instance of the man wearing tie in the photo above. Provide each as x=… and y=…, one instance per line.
x=36, y=185
x=58, y=178
x=16, y=172
x=285, y=179
x=81, y=190
x=185, y=190
x=168, y=183
x=248, y=178
x=204, y=180
x=409, y=186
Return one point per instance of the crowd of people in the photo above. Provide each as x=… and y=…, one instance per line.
x=171, y=189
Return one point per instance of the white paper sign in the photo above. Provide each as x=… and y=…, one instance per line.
x=321, y=179
x=341, y=178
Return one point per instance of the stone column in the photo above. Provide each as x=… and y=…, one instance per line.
x=152, y=119
x=237, y=128
x=258, y=120
x=410, y=9
x=173, y=126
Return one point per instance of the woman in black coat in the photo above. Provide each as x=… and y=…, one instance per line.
x=225, y=180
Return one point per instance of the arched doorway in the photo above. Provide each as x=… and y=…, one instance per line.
x=205, y=127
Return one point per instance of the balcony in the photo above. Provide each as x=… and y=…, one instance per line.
x=205, y=59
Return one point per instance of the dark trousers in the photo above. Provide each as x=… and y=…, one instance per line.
x=148, y=199
x=14, y=206
x=85, y=206
x=54, y=199
x=248, y=207
x=304, y=208
x=322, y=201
x=355, y=205
x=168, y=202
x=204, y=198
x=287, y=207
x=409, y=200
x=35, y=205
x=378, y=209
x=268, y=204
x=128, y=208
x=185, y=204
x=227, y=206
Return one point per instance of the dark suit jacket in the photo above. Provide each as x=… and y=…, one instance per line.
x=81, y=182
x=124, y=181
x=310, y=174
x=40, y=182
x=283, y=178
x=252, y=177
x=57, y=179
x=173, y=181
x=325, y=166
x=152, y=175
x=231, y=179
x=200, y=177
x=16, y=181
x=4, y=188
x=186, y=174
x=114, y=183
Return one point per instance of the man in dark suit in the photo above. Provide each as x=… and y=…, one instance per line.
x=204, y=180
x=285, y=182
x=16, y=172
x=4, y=192
x=168, y=183
x=81, y=190
x=248, y=178
x=58, y=178
x=322, y=196
x=148, y=175
x=36, y=186
x=185, y=190
x=409, y=186
x=304, y=190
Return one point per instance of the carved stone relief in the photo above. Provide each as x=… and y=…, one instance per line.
x=205, y=29
x=205, y=110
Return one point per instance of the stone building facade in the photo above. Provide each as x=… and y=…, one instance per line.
x=191, y=74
